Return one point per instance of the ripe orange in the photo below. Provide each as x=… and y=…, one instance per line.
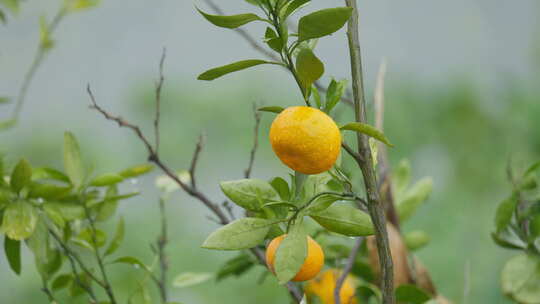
x=312, y=264
x=323, y=287
x=305, y=139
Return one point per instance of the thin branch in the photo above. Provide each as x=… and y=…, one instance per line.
x=195, y=160
x=376, y=209
x=163, y=259
x=348, y=267
x=159, y=86
x=257, y=115
x=107, y=285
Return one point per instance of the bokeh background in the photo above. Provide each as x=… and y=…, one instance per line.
x=462, y=99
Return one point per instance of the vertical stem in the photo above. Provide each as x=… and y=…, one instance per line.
x=163, y=261
x=375, y=208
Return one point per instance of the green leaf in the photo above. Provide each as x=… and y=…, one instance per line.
x=21, y=175
x=243, y=233
x=273, y=109
x=504, y=213
x=72, y=160
x=107, y=179
x=367, y=130
x=12, y=5
x=249, y=194
x=322, y=203
x=188, y=279
x=67, y=211
x=411, y=294
x=273, y=40
x=534, y=226
x=291, y=253
x=345, y=219
x=80, y=5
x=4, y=99
x=235, y=266
x=62, y=281
x=316, y=97
x=117, y=239
x=230, y=68
x=508, y=240
x=4, y=21
x=402, y=177
x=46, y=43
x=137, y=171
x=322, y=23
x=417, y=195
x=532, y=168
x=12, y=249
x=416, y=239
x=20, y=219
x=129, y=260
x=282, y=188
x=291, y=7
x=47, y=191
x=521, y=278
x=309, y=68
x=334, y=93
x=86, y=238
x=49, y=173
x=47, y=259
x=232, y=21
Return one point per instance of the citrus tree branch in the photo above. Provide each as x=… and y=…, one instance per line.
x=375, y=207
x=162, y=242
x=159, y=86
x=348, y=267
x=257, y=115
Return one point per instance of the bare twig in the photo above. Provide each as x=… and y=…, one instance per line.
x=348, y=267
x=257, y=115
x=159, y=86
x=163, y=260
x=376, y=209
x=194, y=161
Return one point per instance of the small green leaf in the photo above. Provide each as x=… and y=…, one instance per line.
x=322, y=23
x=532, y=169
x=62, y=281
x=243, y=233
x=67, y=211
x=49, y=173
x=4, y=21
x=508, y=240
x=282, y=188
x=291, y=253
x=188, y=279
x=416, y=239
x=232, y=21
x=417, y=195
x=235, y=266
x=367, y=130
x=47, y=191
x=521, y=278
x=21, y=175
x=4, y=99
x=20, y=219
x=117, y=239
x=137, y=171
x=46, y=43
x=136, y=263
x=309, y=68
x=273, y=40
x=230, y=68
x=80, y=5
x=86, y=238
x=72, y=160
x=334, y=93
x=291, y=7
x=107, y=179
x=411, y=294
x=249, y=193
x=345, y=219
x=316, y=97
x=402, y=177
x=504, y=213
x=12, y=249
x=273, y=109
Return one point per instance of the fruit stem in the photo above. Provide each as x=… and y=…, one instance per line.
x=375, y=207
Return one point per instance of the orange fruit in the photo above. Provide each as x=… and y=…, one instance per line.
x=312, y=264
x=305, y=139
x=323, y=287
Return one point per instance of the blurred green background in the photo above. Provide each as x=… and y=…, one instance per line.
x=462, y=99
